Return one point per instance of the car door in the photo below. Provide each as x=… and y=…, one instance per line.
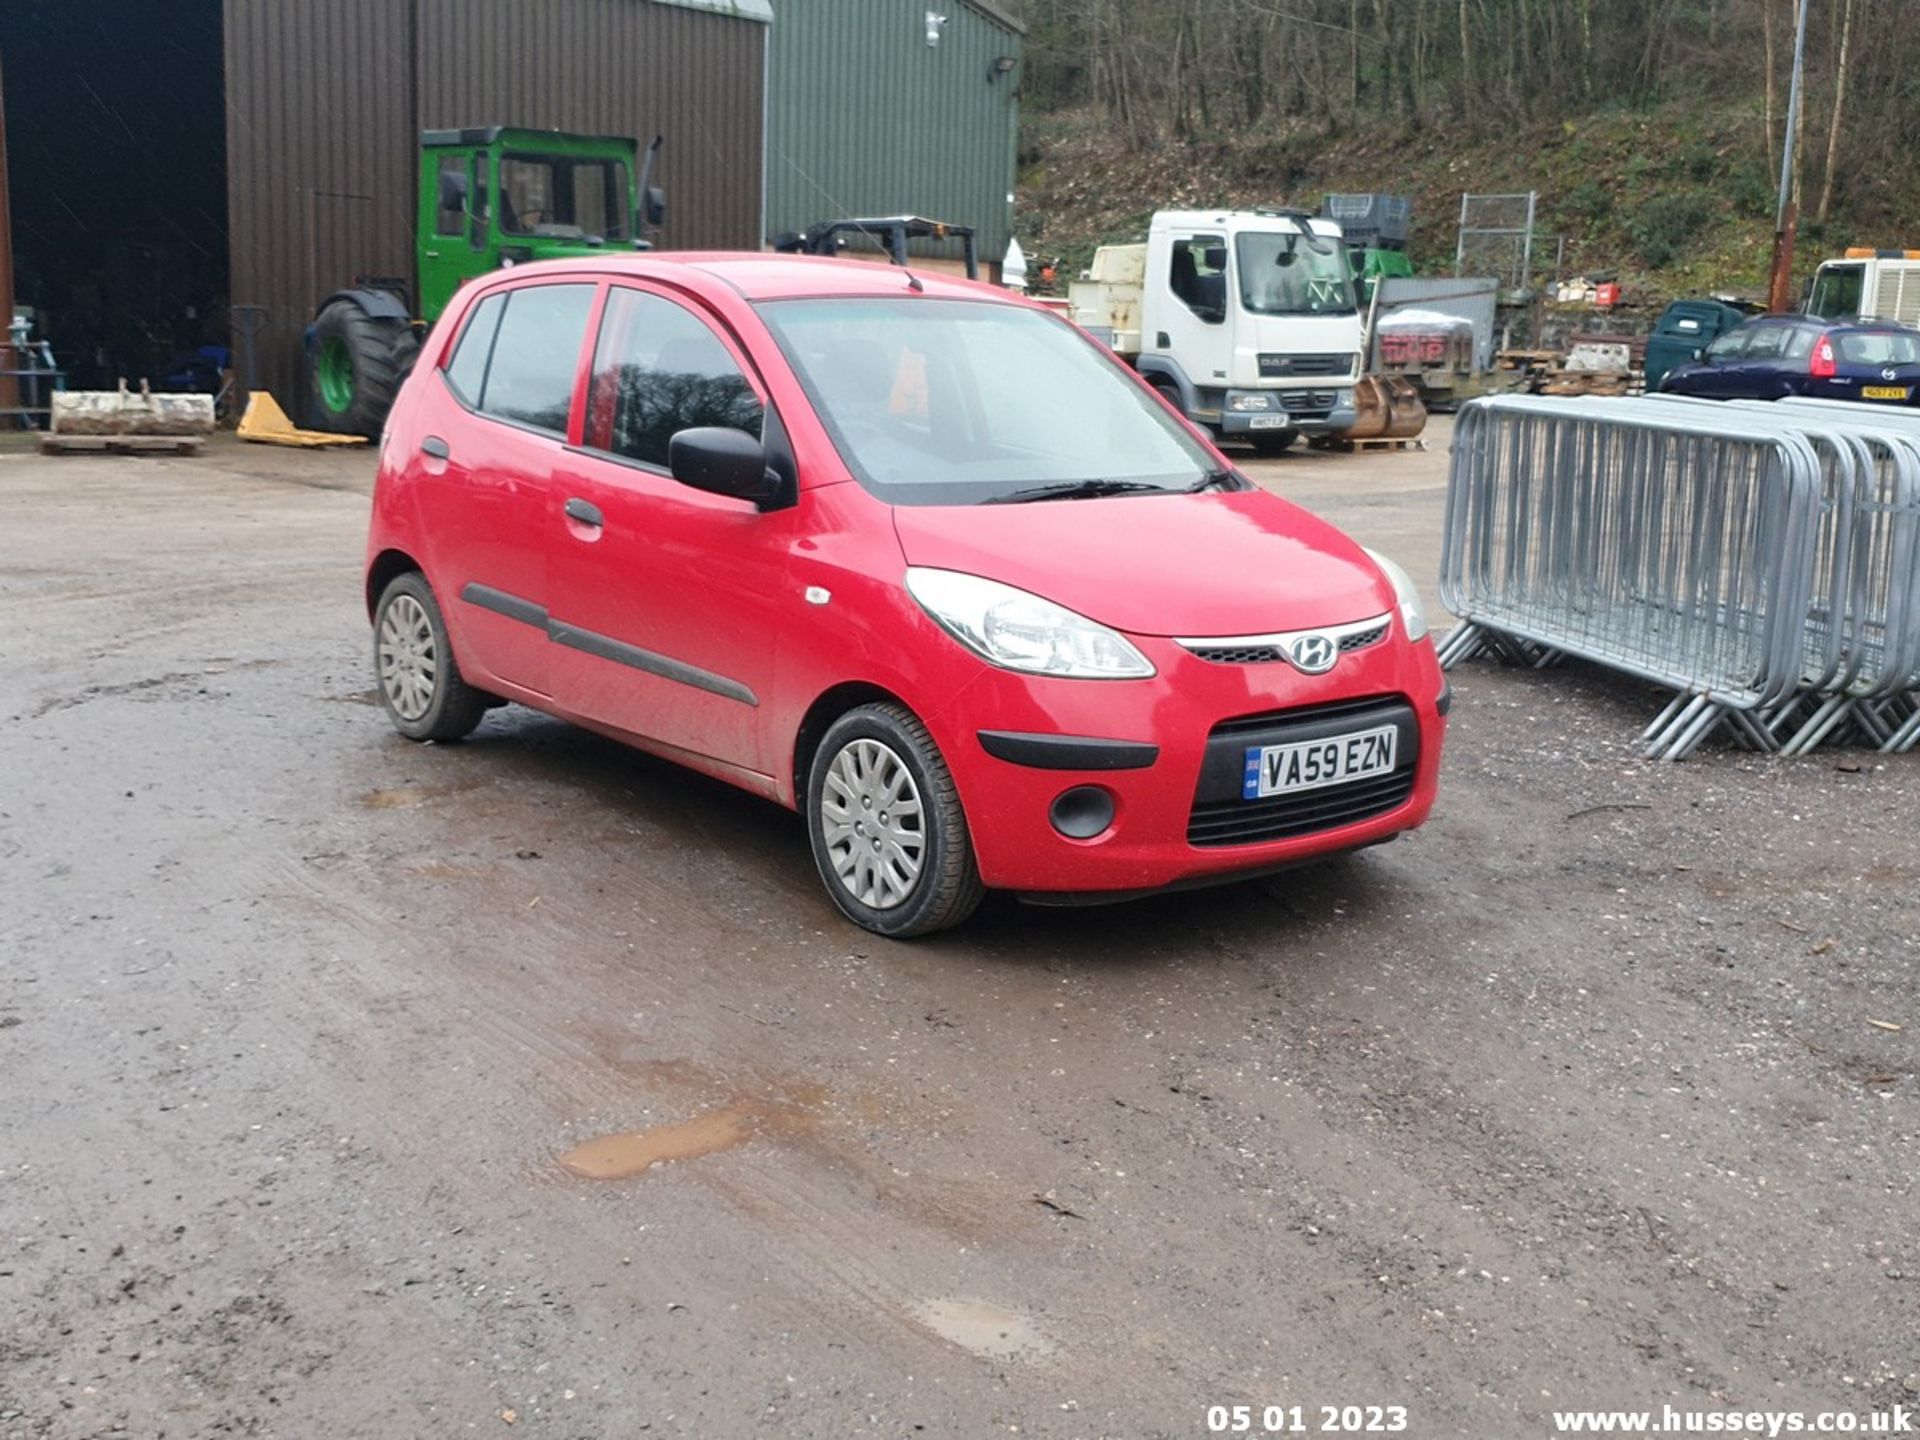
x=1718, y=371
x=665, y=598
x=1190, y=310
x=1761, y=374
x=493, y=427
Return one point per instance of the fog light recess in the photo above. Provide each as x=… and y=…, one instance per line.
x=1082, y=812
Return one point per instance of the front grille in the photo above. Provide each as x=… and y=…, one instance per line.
x=1244, y=655
x=1298, y=402
x=1247, y=822
x=1266, y=654
x=1220, y=815
x=1338, y=710
x=1306, y=364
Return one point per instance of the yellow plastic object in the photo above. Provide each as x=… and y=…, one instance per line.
x=266, y=423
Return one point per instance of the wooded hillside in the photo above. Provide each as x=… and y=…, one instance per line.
x=1651, y=128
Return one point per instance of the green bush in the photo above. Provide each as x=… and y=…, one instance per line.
x=1664, y=225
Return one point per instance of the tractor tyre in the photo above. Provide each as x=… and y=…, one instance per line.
x=358, y=364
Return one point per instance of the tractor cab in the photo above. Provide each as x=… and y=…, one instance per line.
x=499, y=195
x=490, y=195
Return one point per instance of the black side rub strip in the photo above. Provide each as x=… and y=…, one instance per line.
x=501, y=603
x=1068, y=752
x=666, y=667
x=604, y=647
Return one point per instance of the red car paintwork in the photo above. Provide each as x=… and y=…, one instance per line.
x=718, y=585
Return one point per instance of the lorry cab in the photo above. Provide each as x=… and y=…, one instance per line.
x=1868, y=285
x=1245, y=321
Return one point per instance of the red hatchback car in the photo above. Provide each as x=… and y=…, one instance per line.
x=911, y=555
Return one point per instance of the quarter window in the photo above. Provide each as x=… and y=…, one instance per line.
x=658, y=370
x=467, y=371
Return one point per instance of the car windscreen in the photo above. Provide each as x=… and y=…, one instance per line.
x=1878, y=347
x=953, y=402
x=1285, y=274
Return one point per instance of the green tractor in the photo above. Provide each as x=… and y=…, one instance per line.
x=489, y=196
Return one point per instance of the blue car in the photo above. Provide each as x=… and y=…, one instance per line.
x=1775, y=355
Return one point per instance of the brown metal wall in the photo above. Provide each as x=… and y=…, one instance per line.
x=326, y=99
x=614, y=67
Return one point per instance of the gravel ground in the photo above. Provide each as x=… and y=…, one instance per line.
x=1599, y=1090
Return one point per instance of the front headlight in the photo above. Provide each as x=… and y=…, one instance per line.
x=1258, y=400
x=1412, y=613
x=1011, y=628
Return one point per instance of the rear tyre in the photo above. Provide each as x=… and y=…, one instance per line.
x=1273, y=444
x=358, y=364
x=889, y=837
x=420, y=683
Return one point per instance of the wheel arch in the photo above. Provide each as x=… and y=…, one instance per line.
x=828, y=707
x=388, y=566
x=379, y=304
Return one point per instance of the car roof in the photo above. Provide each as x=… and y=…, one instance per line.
x=754, y=275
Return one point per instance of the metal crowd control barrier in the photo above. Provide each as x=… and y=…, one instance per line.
x=1761, y=561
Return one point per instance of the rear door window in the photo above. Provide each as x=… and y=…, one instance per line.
x=1768, y=342
x=536, y=355
x=657, y=370
x=1729, y=346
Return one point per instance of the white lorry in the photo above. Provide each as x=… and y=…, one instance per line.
x=1245, y=320
x=1868, y=285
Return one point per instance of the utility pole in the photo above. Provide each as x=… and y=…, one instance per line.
x=1787, y=217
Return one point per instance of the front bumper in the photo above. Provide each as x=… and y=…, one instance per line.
x=1319, y=411
x=1157, y=748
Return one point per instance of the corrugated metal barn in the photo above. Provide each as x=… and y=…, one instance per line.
x=172, y=161
x=326, y=100
x=891, y=107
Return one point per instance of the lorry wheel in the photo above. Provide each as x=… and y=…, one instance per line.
x=358, y=364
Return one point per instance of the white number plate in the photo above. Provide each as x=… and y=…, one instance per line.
x=1266, y=422
x=1310, y=764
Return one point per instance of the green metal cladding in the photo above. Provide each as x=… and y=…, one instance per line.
x=865, y=118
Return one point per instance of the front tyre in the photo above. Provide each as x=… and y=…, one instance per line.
x=888, y=833
x=420, y=684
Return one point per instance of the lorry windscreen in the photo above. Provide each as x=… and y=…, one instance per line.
x=1284, y=274
x=1836, y=292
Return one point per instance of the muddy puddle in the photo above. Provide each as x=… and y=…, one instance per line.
x=987, y=1330
x=634, y=1152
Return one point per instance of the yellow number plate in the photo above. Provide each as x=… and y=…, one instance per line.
x=1884, y=392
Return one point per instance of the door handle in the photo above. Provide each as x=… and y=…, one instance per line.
x=586, y=514
x=436, y=447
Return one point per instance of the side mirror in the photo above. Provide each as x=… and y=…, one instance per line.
x=453, y=190
x=653, y=205
x=723, y=461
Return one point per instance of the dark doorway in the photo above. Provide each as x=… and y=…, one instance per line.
x=116, y=138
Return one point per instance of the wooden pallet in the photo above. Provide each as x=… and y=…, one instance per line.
x=1583, y=382
x=51, y=444
x=1348, y=447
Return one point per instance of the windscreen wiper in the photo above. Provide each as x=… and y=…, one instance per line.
x=1223, y=479
x=1080, y=490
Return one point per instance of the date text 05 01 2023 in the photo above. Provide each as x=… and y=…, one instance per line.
x=1307, y=1419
